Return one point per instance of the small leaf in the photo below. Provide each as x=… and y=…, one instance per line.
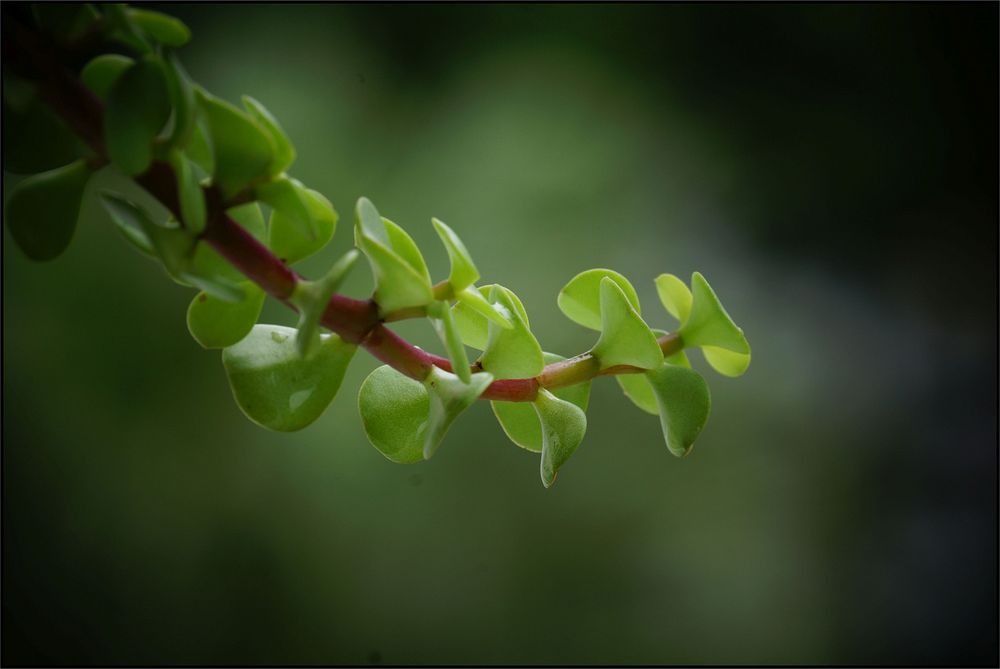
x=284, y=154
x=625, y=338
x=164, y=29
x=404, y=246
x=41, y=211
x=394, y=410
x=274, y=386
x=215, y=323
x=449, y=397
x=311, y=298
x=636, y=386
x=369, y=223
x=580, y=299
x=287, y=197
x=444, y=325
x=199, y=148
x=138, y=107
x=473, y=313
x=563, y=427
x=513, y=353
x=101, y=73
x=710, y=326
x=683, y=402
x=182, y=99
x=192, y=200
x=287, y=239
x=242, y=151
x=401, y=278
x=519, y=420
x=463, y=270
x=674, y=295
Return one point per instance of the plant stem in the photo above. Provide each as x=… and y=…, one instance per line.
x=356, y=321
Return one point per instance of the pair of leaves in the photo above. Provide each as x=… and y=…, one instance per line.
x=42, y=210
x=275, y=386
x=401, y=276
x=302, y=219
x=138, y=106
x=705, y=323
x=406, y=420
x=510, y=352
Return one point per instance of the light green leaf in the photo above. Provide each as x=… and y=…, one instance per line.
x=444, y=325
x=164, y=29
x=100, y=74
x=463, y=270
x=287, y=197
x=625, y=338
x=276, y=387
x=215, y=323
x=449, y=397
x=674, y=295
x=311, y=298
x=637, y=388
x=563, y=426
x=394, y=410
x=683, y=402
x=513, y=353
x=401, y=278
x=580, y=299
x=242, y=151
x=287, y=239
x=284, y=154
x=138, y=107
x=189, y=193
x=41, y=211
x=709, y=325
x=473, y=312
x=520, y=421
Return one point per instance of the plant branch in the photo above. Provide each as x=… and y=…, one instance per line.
x=356, y=321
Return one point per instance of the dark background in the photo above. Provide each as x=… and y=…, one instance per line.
x=832, y=170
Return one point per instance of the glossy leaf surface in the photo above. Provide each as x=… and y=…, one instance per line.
x=41, y=211
x=625, y=338
x=216, y=323
x=394, y=410
x=563, y=427
x=520, y=421
x=580, y=299
x=511, y=353
x=710, y=326
x=683, y=402
x=137, y=109
x=277, y=388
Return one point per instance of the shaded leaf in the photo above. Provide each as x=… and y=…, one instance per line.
x=242, y=151
x=401, y=278
x=287, y=239
x=276, y=387
x=36, y=140
x=189, y=193
x=580, y=299
x=636, y=386
x=215, y=323
x=41, y=211
x=100, y=74
x=182, y=99
x=284, y=152
x=137, y=109
x=563, y=427
x=683, y=403
x=287, y=197
x=625, y=338
x=163, y=28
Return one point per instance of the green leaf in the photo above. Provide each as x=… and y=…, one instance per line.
x=449, y=397
x=625, y=338
x=444, y=325
x=473, y=312
x=401, y=278
x=636, y=386
x=394, y=410
x=41, y=211
x=520, y=421
x=463, y=270
x=284, y=154
x=287, y=239
x=711, y=327
x=164, y=29
x=199, y=149
x=34, y=139
x=138, y=107
x=580, y=299
x=563, y=426
x=674, y=295
x=276, y=387
x=287, y=197
x=311, y=298
x=101, y=73
x=189, y=192
x=683, y=402
x=182, y=99
x=242, y=151
x=513, y=353
x=208, y=262
x=215, y=323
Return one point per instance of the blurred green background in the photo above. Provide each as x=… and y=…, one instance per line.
x=831, y=169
